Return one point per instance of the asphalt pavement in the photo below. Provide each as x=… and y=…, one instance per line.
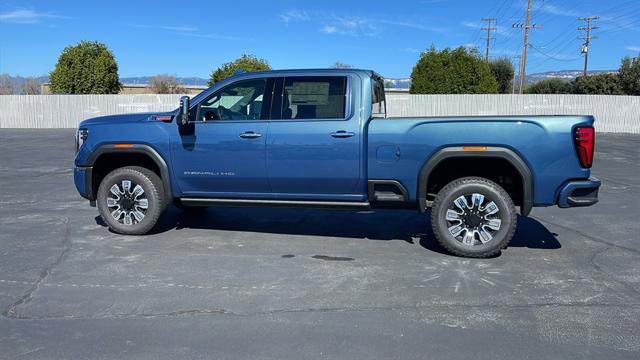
x=304, y=284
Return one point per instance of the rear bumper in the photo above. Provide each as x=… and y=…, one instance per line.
x=82, y=180
x=579, y=193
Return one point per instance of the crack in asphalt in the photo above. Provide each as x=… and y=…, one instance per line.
x=592, y=261
x=590, y=237
x=26, y=298
x=607, y=246
x=204, y=312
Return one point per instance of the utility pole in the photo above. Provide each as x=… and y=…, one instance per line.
x=526, y=27
x=587, y=38
x=489, y=30
x=519, y=58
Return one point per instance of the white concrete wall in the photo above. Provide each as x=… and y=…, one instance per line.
x=620, y=114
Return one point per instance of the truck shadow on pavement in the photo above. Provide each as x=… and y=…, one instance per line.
x=387, y=225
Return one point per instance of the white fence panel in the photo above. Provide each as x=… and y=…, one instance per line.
x=620, y=114
x=66, y=111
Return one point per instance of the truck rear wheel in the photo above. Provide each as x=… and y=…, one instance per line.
x=473, y=217
x=131, y=200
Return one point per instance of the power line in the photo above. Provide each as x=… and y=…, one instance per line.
x=587, y=38
x=552, y=57
x=526, y=26
x=489, y=29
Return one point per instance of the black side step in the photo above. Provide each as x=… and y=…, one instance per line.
x=387, y=191
x=329, y=205
x=387, y=196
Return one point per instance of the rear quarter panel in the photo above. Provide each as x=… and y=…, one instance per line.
x=545, y=143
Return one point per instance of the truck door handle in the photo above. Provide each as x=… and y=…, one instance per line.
x=342, y=134
x=250, y=135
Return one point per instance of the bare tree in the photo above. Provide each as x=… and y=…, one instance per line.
x=6, y=88
x=30, y=87
x=166, y=84
x=341, y=65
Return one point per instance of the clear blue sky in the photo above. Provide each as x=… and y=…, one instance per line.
x=190, y=38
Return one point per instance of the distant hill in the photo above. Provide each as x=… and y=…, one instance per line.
x=402, y=83
x=181, y=80
x=17, y=81
x=567, y=75
x=397, y=83
x=562, y=74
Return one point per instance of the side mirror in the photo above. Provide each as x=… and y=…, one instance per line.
x=184, y=110
x=184, y=126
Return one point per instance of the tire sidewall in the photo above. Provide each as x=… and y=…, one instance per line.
x=491, y=192
x=150, y=190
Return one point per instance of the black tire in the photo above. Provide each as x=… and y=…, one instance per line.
x=153, y=192
x=469, y=218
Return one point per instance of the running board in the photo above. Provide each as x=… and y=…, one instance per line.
x=329, y=205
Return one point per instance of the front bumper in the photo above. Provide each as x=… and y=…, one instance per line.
x=82, y=179
x=579, y=193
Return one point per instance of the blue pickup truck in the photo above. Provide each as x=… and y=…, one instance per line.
x=322, y=139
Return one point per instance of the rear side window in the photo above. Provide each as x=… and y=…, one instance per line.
x=314, y=97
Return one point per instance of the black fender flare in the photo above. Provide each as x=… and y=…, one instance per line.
x=134, y=149
x=490, y=152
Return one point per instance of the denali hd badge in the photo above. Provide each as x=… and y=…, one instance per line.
x=209, y=173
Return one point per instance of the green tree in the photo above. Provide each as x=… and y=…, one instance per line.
x=86, y=68
x=166, y=84
x=457, y=71
x=244, y=63
x=630, y=75
x=502, y=70
x=550, y=86
x=599, y=84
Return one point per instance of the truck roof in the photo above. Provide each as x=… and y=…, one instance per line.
x=287, y=72
x=307, y=72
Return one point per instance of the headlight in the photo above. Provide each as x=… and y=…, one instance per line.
x=81, y=137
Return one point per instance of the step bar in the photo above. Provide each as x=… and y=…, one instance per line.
x=329, y=205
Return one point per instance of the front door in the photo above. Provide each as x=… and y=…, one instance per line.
x=225, y=156
x=313, y=145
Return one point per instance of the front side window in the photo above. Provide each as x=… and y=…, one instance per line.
x=314, y=97
x=241, y=100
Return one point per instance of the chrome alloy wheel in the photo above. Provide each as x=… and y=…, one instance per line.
x=473, y=222
x=127, y=202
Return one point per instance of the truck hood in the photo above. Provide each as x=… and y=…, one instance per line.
x=120, y=119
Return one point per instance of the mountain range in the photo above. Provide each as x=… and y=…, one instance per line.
x=402, y=83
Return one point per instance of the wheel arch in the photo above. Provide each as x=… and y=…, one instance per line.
x=143, y=151
x=490, y=152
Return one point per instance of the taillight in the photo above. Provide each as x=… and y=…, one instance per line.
x=585, y=141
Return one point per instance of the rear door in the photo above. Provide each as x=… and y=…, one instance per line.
x=313, y=144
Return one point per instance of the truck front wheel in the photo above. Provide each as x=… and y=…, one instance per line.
x=130, y=200
x=473, y=217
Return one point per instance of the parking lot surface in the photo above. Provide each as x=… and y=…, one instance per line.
x=296, y=284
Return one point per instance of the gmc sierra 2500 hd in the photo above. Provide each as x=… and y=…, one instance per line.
x=321, y=139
